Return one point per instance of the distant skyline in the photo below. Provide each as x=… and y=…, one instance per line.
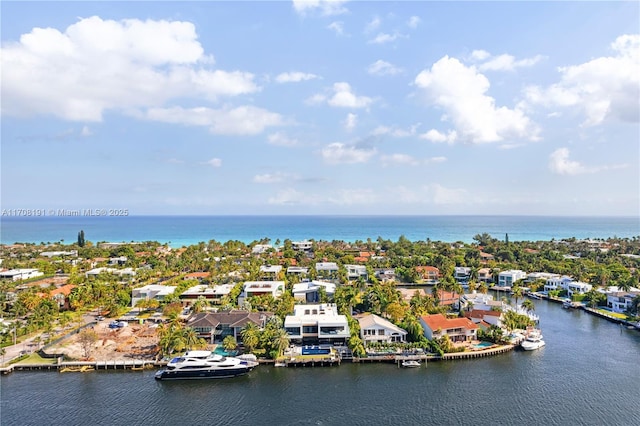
x=318, y=107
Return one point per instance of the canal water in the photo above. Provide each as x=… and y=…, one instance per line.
x=587, y=374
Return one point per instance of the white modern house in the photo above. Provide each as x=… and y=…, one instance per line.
x=462, y=274
x=20, y=274
x=621, y=301
x=213, y=294
x=480, y=301
x=327, y=270
x=126, y=272
x=309, y=291
x=261, y=248
x=273, y=270
x=297, y=270
x=356, y=271
x=260, y=288
x=508, y=278
x=557, y=282
x=317, y=324
x=577, y=287
x=50, y=254
x=377, y=329
x=305, y=245
x=151, y=291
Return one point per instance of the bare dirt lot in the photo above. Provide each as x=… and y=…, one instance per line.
x=126, y=343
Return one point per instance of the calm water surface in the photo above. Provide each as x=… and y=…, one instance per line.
x=588, y=374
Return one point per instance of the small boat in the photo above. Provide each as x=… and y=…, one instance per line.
x=279, y=364
x=204, y=365
x=567, y=304
x=411, y=364
x=532, y=341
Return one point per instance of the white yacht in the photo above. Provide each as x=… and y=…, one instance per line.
x=532, y=341
x=410, y=364
x=204, y=365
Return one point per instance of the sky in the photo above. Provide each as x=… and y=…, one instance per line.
x=321, y=107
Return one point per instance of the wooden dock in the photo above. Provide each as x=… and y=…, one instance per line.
x=84, y=366
x=478, y=354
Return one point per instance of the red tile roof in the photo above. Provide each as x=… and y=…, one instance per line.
x=439, y=321
x=198, y=275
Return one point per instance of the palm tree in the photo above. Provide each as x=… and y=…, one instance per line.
x=250, y=336
x=191, y=338
x=280, y=341
x=517, y=293
x=528, y=305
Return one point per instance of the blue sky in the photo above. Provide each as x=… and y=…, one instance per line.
x=322, y=107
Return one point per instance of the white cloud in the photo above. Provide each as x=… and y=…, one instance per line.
x=294, y=77
x=381, y=67
x=316, y=99
x=86, y=131
x=399, y=159
x=560, y=163
x=281, y=139
x=480, y=55
x=290, y=196
x=339, y=153
x=395, y=132
x=372, y=25
x=272, y=178
x=214, y=162
x=351, y=197
x=413, y=22
x=98, y=65
x=382, y=38
x=343, y=97
x=435, y=136
x=508, y=63
x=442, y=195
x=243, y=120
x=337, y=27
x=603, y=87
x=461, y=92
x=408, y=160
x=324, y=7
x=350, y=122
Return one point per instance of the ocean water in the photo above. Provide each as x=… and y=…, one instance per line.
x=180, y=231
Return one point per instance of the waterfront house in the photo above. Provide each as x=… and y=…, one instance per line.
x=508, y=278
x=462, y=274
x=215, y=326
x=489, y=317
x=450, y=299
x=458, y=329
x=577, y=287
x=151, y=291
x=480, y=301
x=620, y=301
x=484, y=275
x=274, y=289
x=377, y=329
x=317, y=324
x=429, y=274
x=385, y=274
x=557, y=282
x=213, y=294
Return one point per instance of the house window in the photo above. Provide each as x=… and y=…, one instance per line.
x=380, y=332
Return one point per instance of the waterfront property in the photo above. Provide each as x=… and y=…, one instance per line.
x=621, y=301
x=355, y=272
x=462, y=274
x=508, y=278
x=317, y=324
x=458, y=329
x=377, y=329
x=429, y=274
x=215, y=326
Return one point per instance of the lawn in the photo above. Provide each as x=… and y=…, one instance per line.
x=612, y=314
x=34, y=358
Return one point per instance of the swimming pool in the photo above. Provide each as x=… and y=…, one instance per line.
x=482, y=345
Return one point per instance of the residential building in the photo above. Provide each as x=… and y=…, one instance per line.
x=118, y=261
x=327, y=270
x=297, y=270
x=484, y=275
x=429, y=274
x=508, y=278
x=458, y=329
x=620, y=301
x=73, y=253
x=20, y=274
x=213, y=294
x=261, y=248
x=317, y=324
x=480, y=301
x=377, y=329
x=261, y=288
x=302, y=245
x=215, y=326
x=385, y=274
x=309, y=291
x=487, y=316
x=61, y=295
x=126, y=272
x=355, y=272
x=577, y=287
x=151, y=291
x=462, y=274
x=270, y=270
x=200, y=276
x=557, y=282
x=448, y=298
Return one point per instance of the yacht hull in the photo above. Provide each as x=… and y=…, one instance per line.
x=201, y=374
